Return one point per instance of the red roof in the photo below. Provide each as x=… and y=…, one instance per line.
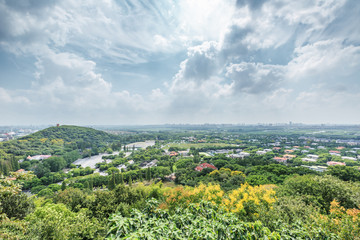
x=173, y=153
x=205, y=165
x=333, y=151
x=198, y=168
x=280, y=159
x=332, y=163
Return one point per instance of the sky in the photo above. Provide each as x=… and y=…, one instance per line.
x=122, y=62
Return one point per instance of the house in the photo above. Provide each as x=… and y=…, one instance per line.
x=276, y=148
x=38, y=157
x=316, y=168
x=261, y=152
x=122, y=166
x=184, y=153
x=289, y=151
x=308, y=160
x=334, y=151
x=145, y=164
x=170, y=177
x=239, y=155
x=205, y=165
x=340, y=148
x=332, y=163
x=312, y=156
x=289, y=156
x=173, y=153
x=349, y=158
x=280, y=159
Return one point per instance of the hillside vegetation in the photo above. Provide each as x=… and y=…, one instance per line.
x=73, y=134
x=59, y=141
x=160, y=193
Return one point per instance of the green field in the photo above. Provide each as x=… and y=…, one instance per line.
x=197, y=145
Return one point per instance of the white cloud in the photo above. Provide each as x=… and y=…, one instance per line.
x=246, y=60
x=326, y=61
x=255, y=77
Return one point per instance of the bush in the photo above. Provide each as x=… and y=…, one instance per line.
x=55, y=221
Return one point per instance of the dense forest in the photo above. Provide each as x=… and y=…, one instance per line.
x=159, y=192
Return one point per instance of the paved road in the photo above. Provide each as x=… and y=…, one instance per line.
x=91, y=161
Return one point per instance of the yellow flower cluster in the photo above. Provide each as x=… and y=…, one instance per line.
x=249, y=197
x=181, y=195
x=339, y=211
x=226, y=171
x=235, y=201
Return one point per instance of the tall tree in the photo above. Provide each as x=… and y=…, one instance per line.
x=130, y=181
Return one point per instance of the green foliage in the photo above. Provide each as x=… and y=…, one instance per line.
x=45, y=192
x=321, y=191
x=128, y=194
x=12, y=229
x=73, y=198
x=14, y=203
x=344, y=173
x=55, y=221
x=202, y=221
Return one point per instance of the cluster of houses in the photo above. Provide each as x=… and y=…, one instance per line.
x=313, y=158
x=147, y=164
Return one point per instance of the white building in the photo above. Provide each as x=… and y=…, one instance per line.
x=348, y=158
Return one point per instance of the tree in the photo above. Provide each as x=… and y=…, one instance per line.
x=111, y=182
x=86, y=185
x=121, y=179
x=130, y=181
x=148, y=174
x=12, y=202
x=56, y=221
x=63, y=186
x=91, y=184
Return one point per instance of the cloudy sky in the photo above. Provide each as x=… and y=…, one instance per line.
x=181, y=61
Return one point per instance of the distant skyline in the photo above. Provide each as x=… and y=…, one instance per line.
x=155, y=62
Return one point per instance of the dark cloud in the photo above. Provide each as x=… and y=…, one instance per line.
x=255, y=78
x=232, y=45
x=253, y=4
x=202, y=63
x=5, y=26
x=32, y=6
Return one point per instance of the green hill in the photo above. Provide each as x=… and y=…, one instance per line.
x=58, y=141
x=73, y=134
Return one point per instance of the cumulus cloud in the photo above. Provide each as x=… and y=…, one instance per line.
x=326, y=61
x=255, y=77
x=233, y=60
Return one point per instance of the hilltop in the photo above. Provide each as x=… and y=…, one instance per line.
x=59, y=141
x=72, y=134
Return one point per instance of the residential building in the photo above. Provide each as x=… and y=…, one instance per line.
x=332, y=163
x=205, y=165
